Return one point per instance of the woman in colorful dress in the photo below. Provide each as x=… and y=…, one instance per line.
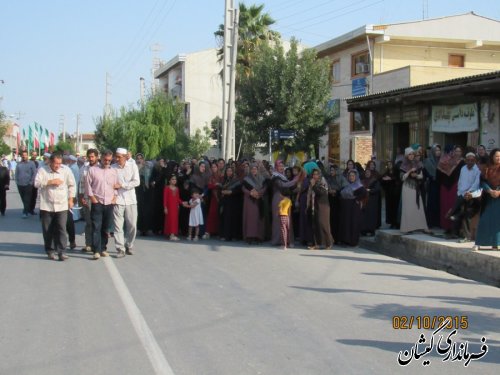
x=488, y=231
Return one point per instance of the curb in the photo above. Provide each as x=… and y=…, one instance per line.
x=439, y=254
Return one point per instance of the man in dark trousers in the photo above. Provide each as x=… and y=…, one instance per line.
x=4, y=186
x=57, y=189
x=25, y=177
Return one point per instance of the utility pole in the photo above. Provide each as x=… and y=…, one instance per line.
x=107, y=105
x=231, y=19
x=62, y=127
x=155, y=48
x=77, y=142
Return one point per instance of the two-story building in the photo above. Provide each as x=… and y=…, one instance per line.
x=379, y=58
x=194, y=78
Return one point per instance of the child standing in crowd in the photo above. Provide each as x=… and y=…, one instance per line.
x=195, y=215
x=171, y=202
x=284, y=206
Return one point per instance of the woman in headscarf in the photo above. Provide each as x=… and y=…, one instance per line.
x=214, y=186
x=253, y=188
x=317, y=200
x=144, y=196
x=349, y=166
x=281, y=187
x=391, y=183
x=482, y=158
x=372, y=166
x=231, y=216
x=430, y=171
x=370, y=215
x=352, y=198
x=306, y=234
x=488, y=231
x=159, y=179
x=412, y=204
x=336, y=182
x=199, y=180
x=447, y=174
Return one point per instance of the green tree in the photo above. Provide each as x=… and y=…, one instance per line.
x=253, y=30
x=286, y=91
x=156, y=127
x=63, y=146
x=4, y=148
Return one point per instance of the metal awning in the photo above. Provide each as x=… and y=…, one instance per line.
x=465, y=89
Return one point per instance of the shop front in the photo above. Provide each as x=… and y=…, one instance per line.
x=462, y=111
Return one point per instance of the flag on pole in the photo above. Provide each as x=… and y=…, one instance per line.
x=52, y=139
x=36, y=144
x=46, y=140
x=30, y=138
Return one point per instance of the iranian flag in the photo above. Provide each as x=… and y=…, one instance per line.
x=36, y=144
x=16, y=133
x=30, y=138
x=46, y=140
x=52, y=139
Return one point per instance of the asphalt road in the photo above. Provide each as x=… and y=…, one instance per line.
x=220, y=308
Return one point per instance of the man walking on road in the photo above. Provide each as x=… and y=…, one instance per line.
x=56, y=186
x=4, y=186
x=25, y=177
x=92, y=157
x=125, y=210
x=100, y=188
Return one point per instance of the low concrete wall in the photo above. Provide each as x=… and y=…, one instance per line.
x=435, y=253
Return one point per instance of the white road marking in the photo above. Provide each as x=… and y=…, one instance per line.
x=156, y=357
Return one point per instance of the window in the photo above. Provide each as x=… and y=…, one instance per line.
x=456, y=61
x=335, y=71
x=360, y=121
x=360, y=64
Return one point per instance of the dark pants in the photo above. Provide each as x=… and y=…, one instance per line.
x=70, y=228
x=34, y=195
x=25, y=193
x=3, y=200
x=465, y=212
x=88, y=225
x=54, y=230
x=102, y=220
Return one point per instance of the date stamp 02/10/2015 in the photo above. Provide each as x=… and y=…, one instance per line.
x=443, y=345
x=429, y=322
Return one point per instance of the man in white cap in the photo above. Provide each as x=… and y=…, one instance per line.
x=467, y=203
x=125, y=209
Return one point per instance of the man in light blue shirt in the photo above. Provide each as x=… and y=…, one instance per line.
x=468, y=192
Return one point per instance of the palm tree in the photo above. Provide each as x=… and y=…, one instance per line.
x=253, y=30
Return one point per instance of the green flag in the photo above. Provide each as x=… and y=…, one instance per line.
x=30, y=138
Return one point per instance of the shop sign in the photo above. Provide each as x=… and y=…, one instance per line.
x=456, y=118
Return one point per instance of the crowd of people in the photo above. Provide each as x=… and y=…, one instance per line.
x=310, y=205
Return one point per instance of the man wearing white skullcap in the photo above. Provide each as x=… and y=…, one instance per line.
x=125, y=209
x=467, y=203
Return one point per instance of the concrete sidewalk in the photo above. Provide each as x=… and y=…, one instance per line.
x=438, y=253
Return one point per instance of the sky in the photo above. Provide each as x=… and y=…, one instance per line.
x=55, y=55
